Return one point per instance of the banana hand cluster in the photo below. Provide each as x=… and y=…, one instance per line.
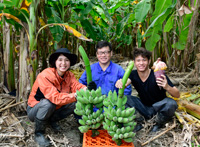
x=86, y=100
x=119, y=122
x=112, y=99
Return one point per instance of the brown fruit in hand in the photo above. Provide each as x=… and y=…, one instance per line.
x=159, y=68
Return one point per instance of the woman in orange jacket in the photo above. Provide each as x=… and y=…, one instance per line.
x=53, y=94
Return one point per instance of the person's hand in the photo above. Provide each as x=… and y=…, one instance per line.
x=75, y=95
x=92, y=86
x=85, y=88
x=162, y=82
x=119, y=84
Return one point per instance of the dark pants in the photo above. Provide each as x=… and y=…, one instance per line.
x=166, y=107
x=45, y=110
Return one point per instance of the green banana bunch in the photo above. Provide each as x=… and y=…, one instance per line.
x=92, y=120
x=86, y=100
x=124, y=116
x=83, y=100
x=111, y=99
x=98, y=92
x=92, y=97
x=118, y=121
x=79, y=109
x=83, y=129
x=99, y=105
x=98, y=100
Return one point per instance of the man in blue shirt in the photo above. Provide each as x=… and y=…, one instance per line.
x=105, y=73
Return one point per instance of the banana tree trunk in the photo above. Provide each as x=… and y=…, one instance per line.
x=1, y=64
x=1, y=57
x=33, y=53
x=9, y=76
x=24, y=83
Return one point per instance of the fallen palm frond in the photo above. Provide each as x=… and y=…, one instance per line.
x=191, y=120
x=189, y=102
x=180, y=118
x=188, y=114
x=190, y=107
x=187, y=119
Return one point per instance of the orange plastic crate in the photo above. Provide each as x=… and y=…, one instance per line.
x=103, y=139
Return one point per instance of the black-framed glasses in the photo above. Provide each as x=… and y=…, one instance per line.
x=105, y=52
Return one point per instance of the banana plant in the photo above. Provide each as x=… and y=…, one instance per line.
x=8, y=45
x=113, y=20
x=9, y=80
x=159, y=16
x=1, y=51
x=102, y=20
x=22, y=15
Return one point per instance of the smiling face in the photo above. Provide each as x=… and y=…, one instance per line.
x=141, y=63
x=104, y=55
x=62, y=64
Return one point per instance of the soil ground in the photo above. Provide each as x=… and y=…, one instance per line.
x=70, y=136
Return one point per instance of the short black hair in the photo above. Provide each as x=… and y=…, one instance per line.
x=141, y=51
x=102, y=44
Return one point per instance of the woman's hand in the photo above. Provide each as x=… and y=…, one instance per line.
x=75, y=95
x=85, y=88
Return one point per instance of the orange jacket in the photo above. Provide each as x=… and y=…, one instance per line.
x=59, y=90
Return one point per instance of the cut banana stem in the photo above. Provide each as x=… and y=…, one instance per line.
x=124, y=80
x=87, y=64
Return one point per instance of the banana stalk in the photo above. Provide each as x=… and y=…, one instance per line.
x=95, y=131
x=124, y=80
x=87, y=64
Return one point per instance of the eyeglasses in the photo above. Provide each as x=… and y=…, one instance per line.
x=105, y=52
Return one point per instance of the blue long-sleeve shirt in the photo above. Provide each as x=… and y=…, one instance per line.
x=106, y=79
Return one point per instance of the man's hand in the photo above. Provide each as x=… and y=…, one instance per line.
x=162, y=82
x=92, y=86
x=173, y=91
x=119, y=84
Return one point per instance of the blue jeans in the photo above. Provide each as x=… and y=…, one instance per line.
x=166, y=107
x=45, y=110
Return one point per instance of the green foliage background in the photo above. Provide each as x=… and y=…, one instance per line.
x=154, y=24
